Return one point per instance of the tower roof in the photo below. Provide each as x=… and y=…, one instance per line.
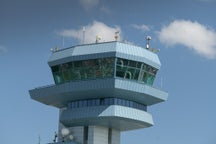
x=106, y=49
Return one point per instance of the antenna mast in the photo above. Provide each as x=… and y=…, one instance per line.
x=116, y=35
x=148, y=38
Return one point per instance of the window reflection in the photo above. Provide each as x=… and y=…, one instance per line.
x=104, y=68
x=135, y=71
x=86, y=69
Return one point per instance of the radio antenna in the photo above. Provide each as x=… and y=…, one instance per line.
x=148, y=38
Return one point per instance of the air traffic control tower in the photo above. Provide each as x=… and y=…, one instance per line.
x=101, y=89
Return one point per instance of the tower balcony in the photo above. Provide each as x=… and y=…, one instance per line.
x=60, y=95
x=114, y=116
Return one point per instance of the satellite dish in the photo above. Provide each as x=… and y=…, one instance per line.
x=65, y=132
x=148, y=38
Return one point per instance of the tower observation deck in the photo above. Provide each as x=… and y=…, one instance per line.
x=101, y=90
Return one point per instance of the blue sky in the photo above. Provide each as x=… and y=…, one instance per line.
x=184, y=31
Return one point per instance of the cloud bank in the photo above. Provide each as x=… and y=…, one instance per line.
x=92, y=30
x=192, y=35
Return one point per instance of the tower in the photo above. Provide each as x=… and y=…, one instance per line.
x=101, y=89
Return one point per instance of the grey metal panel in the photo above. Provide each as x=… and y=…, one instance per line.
x=60, y=95
x=82, y=57
x=82, y=51
x=117, y=117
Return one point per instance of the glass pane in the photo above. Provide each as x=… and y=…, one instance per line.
x=120, y=62
x=108, y=67
x=67, y=74
x=78, y=64
x=127, y=75
x=76, y=74
x=136, y=74
x=120, y=71
x=145, y=77
x=98, y=71
x=144, y=66
x=139, y=64
x=90, y=72
x=150, y=79
x=130, y=73
x=132, y=64
x=55, y=68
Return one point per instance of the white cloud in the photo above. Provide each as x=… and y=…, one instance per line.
x=3, y=49
x=142, y=27
x=92, y=30
x=193, y=35
x=89, y=4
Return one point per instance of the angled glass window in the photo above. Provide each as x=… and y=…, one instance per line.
x=104, y=68
x=133, y=70
x=85, y=69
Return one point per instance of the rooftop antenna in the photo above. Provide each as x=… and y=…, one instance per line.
x=116, y=35
x=54, y=49
x=84, y=35
x=97, y=38
x=55, y=137
x=148, y=38
x=155, y=50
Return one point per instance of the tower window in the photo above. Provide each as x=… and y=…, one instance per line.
x=106, y=102
x=104, y=68
x=133, y=70
x=85, y=69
